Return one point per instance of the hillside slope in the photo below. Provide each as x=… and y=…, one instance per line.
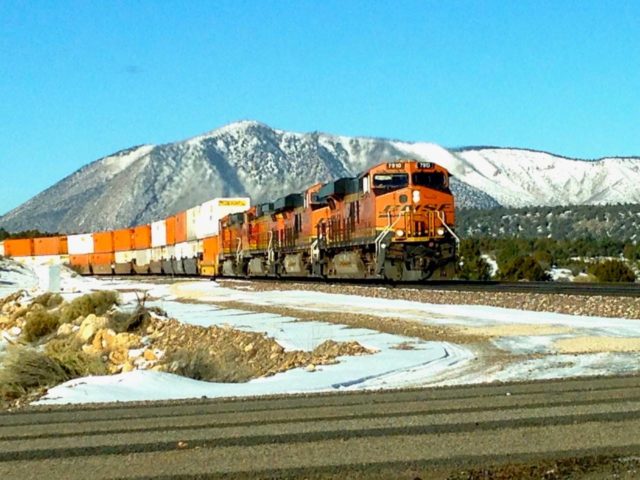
x=149, y=182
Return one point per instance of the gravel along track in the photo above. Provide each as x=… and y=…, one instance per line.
x=592, y=303
x=582, y=428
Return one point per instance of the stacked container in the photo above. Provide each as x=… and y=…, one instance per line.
x=209, y=264
x=212, y=211
x=80, y=250
x=168, y=252
x=158, y=244
x=123, y=247
x=50, y=246
x=208, y=227
x=103, y=258
x=181, y=247
x=18, y=247
x=142, y=246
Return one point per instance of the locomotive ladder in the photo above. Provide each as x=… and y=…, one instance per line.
x=381, y=242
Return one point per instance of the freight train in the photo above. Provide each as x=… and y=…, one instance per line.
x=393, y=221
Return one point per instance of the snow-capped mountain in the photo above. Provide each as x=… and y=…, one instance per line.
x=148, y=182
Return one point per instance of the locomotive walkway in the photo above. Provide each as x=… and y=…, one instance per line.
x=425, y=433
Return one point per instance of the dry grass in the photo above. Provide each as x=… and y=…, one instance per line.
x=14, y=297
x=48, y=300
x=97, y=303
x=25, y=369
x=67, y=352
x=39, y=323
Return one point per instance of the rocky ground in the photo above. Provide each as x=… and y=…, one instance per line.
x=49, y=341
x=623, y=307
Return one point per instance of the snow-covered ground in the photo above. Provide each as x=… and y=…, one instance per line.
x=509, y=344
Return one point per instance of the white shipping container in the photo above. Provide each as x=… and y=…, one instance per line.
x=2, y=248
x=156, y=254
x=212, y=211
x=192, y=222
x=186, y=250
x=198, y=247
x=80, y=244
x=143, y=257
x=125, y=257
x=159, y=233
x=168, y=252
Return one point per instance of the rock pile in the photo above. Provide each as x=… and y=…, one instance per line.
x=112, y=340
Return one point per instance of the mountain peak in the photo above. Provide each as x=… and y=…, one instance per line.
x=235, y=128
x=249, y=158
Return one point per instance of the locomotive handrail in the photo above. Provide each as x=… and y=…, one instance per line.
x=386, y=230
x=270, y=252
x=447, y=227
x=239, y=250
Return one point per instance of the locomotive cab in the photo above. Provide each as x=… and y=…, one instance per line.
x=414, y=218
x=412, y=198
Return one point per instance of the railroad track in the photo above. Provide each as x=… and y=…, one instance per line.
x=426, y=433
x=566, y=288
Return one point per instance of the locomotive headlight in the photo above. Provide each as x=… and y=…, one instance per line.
x=416, y=196
x=440, y=231
x=399, y=233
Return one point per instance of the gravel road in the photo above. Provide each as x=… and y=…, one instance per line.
x=586, y=425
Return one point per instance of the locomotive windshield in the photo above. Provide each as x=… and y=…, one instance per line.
x=390, y=181
x=435, y=180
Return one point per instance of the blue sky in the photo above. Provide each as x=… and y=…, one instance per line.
x=82, y=79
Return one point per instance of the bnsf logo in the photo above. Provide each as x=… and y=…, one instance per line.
x=232, y=203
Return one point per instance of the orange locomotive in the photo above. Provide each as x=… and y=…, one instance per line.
x=393, y=221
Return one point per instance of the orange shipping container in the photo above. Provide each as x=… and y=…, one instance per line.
x=22, y=247
x=142, y=237
x=211, y=249
x=50, y=246
x=102, y=258
x=171, y=230
x=81, y=263
x=209, y=263
x=103, y=242
x=181, y=227
x=123, y=240
x=102, y=263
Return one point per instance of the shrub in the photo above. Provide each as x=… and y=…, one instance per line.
x=613, y=271
x=14, y=297
x=544, y=258
x=38, y=324
x=67, y=352
x=475, y=268
x=227, y=366
x=25, y=369
x=576, y=267
x=97, y=303
x=48, y=300
x=523, y=268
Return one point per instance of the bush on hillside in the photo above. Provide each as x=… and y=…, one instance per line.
x=68, y=353
x=25, y=369
x=613, y=271
x=39, y=323
x=474, y=268
x=523, y=267
x=97, y=303
x=48, y=300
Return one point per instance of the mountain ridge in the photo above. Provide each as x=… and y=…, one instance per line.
x=146, y=182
